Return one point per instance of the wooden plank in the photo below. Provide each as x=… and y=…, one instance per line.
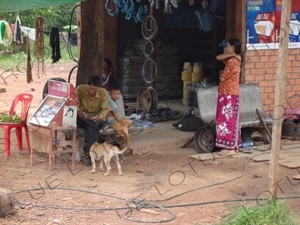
x=7, y=202
x=292, y=165
x=296, y=177
x=279, y=96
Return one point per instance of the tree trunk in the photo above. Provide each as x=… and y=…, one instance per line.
x=92, y=39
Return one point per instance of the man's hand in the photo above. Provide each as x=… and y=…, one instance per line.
x=81, y=114
x=96, y=118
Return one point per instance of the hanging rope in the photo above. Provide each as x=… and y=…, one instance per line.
x=54, y=43
x=39, y=45
x=29, y=71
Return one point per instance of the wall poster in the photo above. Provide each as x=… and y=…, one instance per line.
x=263, y=24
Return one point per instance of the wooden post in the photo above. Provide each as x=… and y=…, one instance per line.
x=279, y=96
x=78, y=10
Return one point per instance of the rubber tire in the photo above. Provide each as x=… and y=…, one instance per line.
x=45, y=89
x=200, y=142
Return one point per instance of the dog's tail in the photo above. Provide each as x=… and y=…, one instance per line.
x=120, y=151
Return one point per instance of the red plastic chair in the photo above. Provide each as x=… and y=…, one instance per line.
x=25, y=99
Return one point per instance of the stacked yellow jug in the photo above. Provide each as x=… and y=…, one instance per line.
x=186, y=77
x=197, y=74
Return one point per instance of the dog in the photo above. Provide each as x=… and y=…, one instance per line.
x=105, y=152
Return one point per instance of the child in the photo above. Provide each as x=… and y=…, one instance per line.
x=113, y=117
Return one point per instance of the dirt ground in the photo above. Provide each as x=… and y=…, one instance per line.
x=155, y=188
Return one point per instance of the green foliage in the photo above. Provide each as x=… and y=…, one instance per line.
x=58, y=16
x=275, y=213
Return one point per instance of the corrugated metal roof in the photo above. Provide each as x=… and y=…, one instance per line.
x=18, y=5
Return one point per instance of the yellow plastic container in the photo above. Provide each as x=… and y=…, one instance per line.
x=186, y=76
x=197, y=77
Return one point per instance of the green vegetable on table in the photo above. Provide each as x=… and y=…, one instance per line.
x=10, y=118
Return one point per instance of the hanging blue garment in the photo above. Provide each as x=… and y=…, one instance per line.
x=18, y=36
x=205, y=22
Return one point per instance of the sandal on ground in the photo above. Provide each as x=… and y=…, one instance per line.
x=227, y=152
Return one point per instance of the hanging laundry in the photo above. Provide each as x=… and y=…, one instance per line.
x=5, y=33
x=30, y=32
x=54, y=43
x=18, y=36
x=205, y=21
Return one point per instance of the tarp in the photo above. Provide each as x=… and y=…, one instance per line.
x=18, y=5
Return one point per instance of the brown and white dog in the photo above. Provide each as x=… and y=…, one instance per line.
x=105, y=152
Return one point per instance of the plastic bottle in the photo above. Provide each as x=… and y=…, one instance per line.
x=247, y=144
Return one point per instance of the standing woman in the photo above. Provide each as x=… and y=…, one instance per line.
x=108, y=76
x=228, y=130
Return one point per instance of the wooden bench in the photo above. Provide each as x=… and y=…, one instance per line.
x=250, y=104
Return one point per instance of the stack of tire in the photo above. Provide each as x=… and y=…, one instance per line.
x=129, y=70
x=129, y=75
x=171, y=79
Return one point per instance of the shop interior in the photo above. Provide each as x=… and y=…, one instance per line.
x=190, y=34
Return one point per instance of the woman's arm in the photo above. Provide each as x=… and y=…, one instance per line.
x=224, y=56
x=109, y=77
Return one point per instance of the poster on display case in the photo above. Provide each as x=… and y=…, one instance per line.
x=263, y=24
x=47, y=111
x=69, y=116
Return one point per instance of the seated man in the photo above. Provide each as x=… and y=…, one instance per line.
x=93, y=107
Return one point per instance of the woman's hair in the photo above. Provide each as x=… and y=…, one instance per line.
x=108, y=62
x=237, y=45
x=94, y=80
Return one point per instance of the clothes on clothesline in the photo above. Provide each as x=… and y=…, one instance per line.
x=18, y=36
x=5, y=33
x=54, y=43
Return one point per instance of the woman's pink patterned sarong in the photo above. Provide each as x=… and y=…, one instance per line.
x=228, y=130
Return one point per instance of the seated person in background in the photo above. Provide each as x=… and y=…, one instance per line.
x=93, y=107
x=119, y=124
x=108, y=77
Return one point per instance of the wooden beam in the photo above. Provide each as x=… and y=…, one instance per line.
x=78, y=10
x=279, y=97
x=110, y=36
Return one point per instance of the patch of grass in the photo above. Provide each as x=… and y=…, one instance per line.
x=275, y=213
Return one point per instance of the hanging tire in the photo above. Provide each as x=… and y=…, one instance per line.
x=204, y=139
x=45, y=89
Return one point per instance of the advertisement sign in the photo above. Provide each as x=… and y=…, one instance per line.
x=47, y=111
x=263, y=24
x=58, y=88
